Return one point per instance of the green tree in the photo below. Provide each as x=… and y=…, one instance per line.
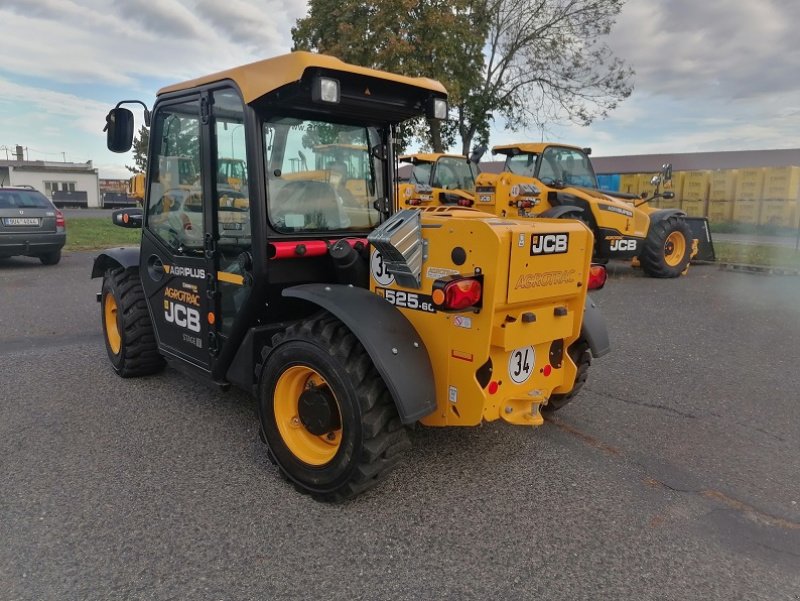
x=527, y=61
x=546, y=61
x=440, y=39
x=140, y=144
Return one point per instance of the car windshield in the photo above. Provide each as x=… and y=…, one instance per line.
x=23, y=199
x=321, y=176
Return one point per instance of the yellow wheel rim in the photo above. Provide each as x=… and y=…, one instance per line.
x=674, y=249
x=112, y=329
x=310, y=448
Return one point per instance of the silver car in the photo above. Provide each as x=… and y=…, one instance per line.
x=30, y=225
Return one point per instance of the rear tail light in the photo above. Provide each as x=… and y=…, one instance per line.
x=457, y=293
x=60, y=221
x=465, y=202
x=597, y=277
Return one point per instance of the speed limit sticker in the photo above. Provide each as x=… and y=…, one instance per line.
x=520, y=364
x=378, y=269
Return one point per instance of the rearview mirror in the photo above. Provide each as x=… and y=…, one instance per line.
x=119, y=130
x=130, y=218
x=668, y=195
x=666, y=172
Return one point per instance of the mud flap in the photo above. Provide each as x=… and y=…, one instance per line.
x=702, y=233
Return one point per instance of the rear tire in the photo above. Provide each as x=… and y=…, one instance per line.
x=667, y=248
x=326, y=414
x=127, y=329
x=582, y=357
x=51, y=258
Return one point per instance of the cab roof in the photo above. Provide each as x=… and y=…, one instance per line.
x=428, y=157
x=262, y=77
x=524, y=147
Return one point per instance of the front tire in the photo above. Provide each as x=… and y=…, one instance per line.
x=127, y=329
x=327, y=416
x=667, y=248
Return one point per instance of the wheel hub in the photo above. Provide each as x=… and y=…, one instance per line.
x=318, y=412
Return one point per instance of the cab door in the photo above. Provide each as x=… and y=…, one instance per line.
x=174, y=264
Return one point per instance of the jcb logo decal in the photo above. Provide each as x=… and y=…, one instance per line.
x=623, y=245
x=182, y=316
x=549, y=244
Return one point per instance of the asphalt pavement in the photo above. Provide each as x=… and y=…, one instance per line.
x=674, y=475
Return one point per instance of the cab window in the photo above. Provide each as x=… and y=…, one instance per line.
x=321, y=176
x=567, y=165
x=522, y=164
x=454, y=174
x=175, y=209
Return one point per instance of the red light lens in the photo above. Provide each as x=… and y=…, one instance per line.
x=461, y=294
x=597, y=277
x=492, y=387
x=60, y=222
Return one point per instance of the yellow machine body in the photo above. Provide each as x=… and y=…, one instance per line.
x=505, y=359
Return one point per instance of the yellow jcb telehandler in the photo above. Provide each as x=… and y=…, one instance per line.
x=556, y=180
x=347, y=322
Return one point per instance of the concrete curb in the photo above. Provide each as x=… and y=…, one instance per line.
x=760, y=269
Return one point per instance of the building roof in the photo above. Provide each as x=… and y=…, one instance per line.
x=49, y=166
x=262, y=77
x=697, y=161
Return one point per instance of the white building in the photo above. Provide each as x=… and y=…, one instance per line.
x=67, y=184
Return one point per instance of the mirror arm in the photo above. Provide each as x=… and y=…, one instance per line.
x=146, y=110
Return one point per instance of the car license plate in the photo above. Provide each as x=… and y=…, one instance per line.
x=21, y=221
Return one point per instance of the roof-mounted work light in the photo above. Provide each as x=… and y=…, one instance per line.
x=325, y=89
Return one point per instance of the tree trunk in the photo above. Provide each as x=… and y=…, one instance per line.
x=435, y=129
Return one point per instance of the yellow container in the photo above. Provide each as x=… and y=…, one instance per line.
x=749, y=185
x=720, y=210
x=695, y=186
x=694, y=208
x=782, y=213
x=629, y=183
x=748, y=195
x=780, y=196
x=721, y=193
x=782, y=183
x=722, y=185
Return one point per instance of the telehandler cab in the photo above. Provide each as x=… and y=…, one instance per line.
x=437, y=179
x=347, y=322
x=554, y=180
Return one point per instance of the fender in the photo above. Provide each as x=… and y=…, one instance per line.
x=665, y=213
x=560, y=211
x=594, y=330
x=389, y=338
x=124, y=257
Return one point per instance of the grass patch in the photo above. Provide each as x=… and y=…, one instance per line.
x=732, y=227
x=92, y=233
x=756, y=254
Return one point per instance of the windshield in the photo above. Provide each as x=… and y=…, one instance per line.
x=321, y=176
x=454, y=174
x=567, y=165
x=23, y=199
x=421, y=174
x=522, y=164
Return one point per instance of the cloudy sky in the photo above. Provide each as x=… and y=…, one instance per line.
x=710, y=74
